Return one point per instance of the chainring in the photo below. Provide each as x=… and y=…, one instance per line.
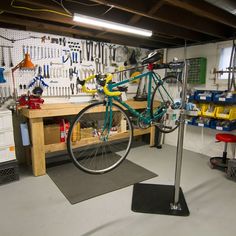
x=141, y=123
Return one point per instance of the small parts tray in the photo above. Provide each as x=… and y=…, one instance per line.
x=224, y=125
x=204, y=95
x=225, y=97
x=209, y=110
x=226, y=112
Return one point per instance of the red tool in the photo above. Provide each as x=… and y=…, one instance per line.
x=33, y=102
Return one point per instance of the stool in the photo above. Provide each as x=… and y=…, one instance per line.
x=222, y=162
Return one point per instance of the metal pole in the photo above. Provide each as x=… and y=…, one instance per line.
x=179, y=153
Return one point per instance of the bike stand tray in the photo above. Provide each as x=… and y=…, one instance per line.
x=157, y=199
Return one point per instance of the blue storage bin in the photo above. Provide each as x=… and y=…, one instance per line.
x=190, y=98
x=203, y=95
x=223, y=125
x=222, y=97
x=202, y=122
x=190, y=120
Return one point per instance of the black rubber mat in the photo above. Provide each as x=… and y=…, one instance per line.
x=78, y=186
x=157, y=199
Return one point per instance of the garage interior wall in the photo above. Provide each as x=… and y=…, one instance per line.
x=200, y=139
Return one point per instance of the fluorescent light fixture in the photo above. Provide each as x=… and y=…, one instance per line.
x=111, y=25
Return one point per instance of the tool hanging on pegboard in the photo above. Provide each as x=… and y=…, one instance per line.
x=56, y=58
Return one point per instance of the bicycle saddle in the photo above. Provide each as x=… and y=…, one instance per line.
x=152, y=57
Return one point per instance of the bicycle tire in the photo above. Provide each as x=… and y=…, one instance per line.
x=169, y=107
x=98, y=157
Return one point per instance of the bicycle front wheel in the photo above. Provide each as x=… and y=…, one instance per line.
x=166, y=104
x=100, y=137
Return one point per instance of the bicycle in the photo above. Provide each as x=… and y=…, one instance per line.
x=109, y=123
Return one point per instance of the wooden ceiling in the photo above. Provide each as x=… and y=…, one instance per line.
x=172, y=21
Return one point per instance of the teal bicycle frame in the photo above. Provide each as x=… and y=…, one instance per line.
x=147, y=119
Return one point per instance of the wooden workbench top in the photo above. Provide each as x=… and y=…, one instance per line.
x=63, y=109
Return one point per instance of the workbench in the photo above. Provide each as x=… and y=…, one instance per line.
x=35, y=118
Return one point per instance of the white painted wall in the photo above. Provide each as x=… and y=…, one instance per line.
x=198, y=139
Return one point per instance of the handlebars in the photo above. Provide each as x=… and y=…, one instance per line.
x=105, y=80
x=102, y=80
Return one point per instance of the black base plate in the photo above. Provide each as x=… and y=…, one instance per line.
x=157, y=199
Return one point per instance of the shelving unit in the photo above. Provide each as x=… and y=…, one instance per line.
x=8, y=163
x=216, y=111
x=38, y=147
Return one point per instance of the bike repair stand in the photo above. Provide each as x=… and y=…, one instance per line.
x=165, y=199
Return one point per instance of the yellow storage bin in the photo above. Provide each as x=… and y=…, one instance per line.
x=200, y=107
x=209, y=110
x=226, y=112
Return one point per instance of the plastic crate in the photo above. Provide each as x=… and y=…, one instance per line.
x=223, y=125
x=224, y=98
x=189, y=120
x=9, y=171
x=190, y=97
x=207, y=113
x=203, y=95
x=202, y=122
x=226, y=113
x=201, y=108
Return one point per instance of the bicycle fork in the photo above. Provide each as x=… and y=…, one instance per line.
x=107, y=121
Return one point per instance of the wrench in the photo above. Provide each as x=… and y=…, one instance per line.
x=23, y=48
x=83, y=43
x=49, y=53
x=114, y=54
x=110, y=54
x=80, y=56
x=91, y=45
x=95, y=50
x=45, y=52
x=68, y=89
x=31, y=51
x=99, y=50
x=105, y=63
x=10, y=56
x=38, y=52
x=102, y=44
x=34, y=52
x=97, y=64
x=41, y=53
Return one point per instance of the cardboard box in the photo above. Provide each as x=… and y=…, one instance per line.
x=86, y=133
x=51, y=134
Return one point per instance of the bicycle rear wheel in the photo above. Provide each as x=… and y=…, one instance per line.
x=168, y=93
x=100, y=137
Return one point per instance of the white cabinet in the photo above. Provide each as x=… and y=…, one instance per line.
x=7, y=145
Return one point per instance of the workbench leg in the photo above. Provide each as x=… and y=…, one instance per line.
x=152, y=136
x=37, y=148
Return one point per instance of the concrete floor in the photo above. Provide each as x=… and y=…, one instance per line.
x=35, y=206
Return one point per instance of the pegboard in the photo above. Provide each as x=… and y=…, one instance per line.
x=60, y=60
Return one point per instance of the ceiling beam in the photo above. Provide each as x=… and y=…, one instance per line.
x=204, y=9
x=62, y=30
x=189, y=20
x=135, y=19
x=161, y=28
x=203, y=26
